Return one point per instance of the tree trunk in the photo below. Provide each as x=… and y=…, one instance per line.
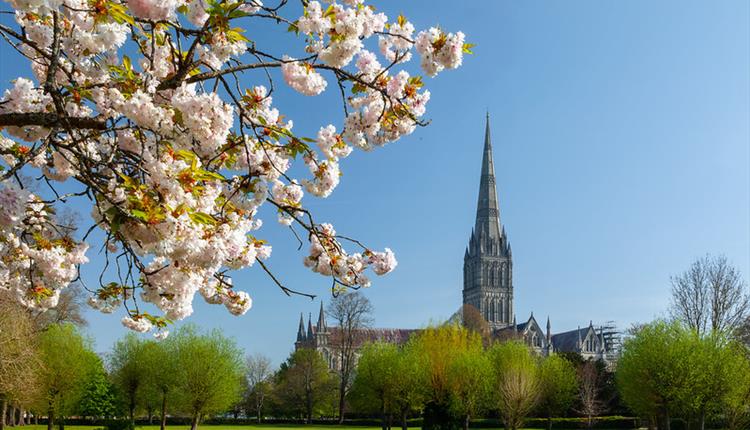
x=384, y=420
x=194, y=422
x=667, y=421
x=12, y=416
x=51, y=417
x=549, y=421
x=163, y=421
x=131, y=408
x=21, y=416
x=308, y=407
x=703, y=420
x=3, y=411
x=260, y=411
x=342, y=400
x=404, y=423
x=467, y=418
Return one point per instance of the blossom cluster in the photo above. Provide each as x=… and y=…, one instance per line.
x=181, y=158
x=36, y=263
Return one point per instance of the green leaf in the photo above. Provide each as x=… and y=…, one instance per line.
x=467, y=48
x=135, y=213
x=202, y=218
x=205, y=175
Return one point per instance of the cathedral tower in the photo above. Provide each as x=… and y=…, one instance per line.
x=488, y=262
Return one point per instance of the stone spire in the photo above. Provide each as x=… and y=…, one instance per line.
x=488, y=213
x=309, y=327
x=301, y=329
x=321, y=326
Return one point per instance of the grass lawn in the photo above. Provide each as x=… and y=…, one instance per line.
x=220, y=427
x=229, y=427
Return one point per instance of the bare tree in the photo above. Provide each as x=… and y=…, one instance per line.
x=589, y=391
x=258, y=375
x=352, y=313
x=18, y=361
x=470, y=318
x=69, y=309
x=710, y=295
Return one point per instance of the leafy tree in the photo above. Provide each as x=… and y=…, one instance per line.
x=470, y=376
x=736, y=406
x=437, y=348
x=161, y=375
x=559, y=386
x=410, y=384
x=376, y=382
x=304, y=382
x=128, y=370
x=711, y=364
x=99, y=399
x=652, y=373
x=67, y=363
x=210, y=370
x=517, y=382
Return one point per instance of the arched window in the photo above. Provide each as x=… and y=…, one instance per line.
x=492, y=311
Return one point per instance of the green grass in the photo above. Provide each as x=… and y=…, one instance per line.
x=228, y=427
x=218, y=427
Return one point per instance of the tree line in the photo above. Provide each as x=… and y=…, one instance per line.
x=692, y=368
x=446, y=374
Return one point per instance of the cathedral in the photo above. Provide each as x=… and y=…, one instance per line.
x=488, y=287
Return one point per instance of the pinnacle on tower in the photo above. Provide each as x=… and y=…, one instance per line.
x=301, y=330
x=321, y=326
x=309, y=327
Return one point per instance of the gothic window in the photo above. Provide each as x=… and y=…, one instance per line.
x=492, y=311
x=492, y=277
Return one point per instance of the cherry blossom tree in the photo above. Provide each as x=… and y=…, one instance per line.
x=139, y=105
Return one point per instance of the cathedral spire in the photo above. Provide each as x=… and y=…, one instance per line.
x=488, y=213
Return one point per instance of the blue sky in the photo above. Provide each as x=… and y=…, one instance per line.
x=621, y=135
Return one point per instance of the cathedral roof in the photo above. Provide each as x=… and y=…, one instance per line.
x=398, y=336
x=568, y=341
